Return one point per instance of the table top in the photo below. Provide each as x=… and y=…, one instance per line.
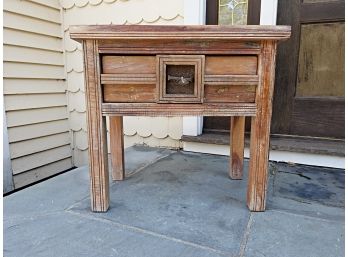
x=194, y=32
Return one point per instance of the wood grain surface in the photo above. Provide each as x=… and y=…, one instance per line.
x=237, y=147
x=260, y=130
x=97, y=150
x=117, y=147
x=231, y=65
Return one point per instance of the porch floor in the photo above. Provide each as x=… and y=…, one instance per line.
x=179, y=204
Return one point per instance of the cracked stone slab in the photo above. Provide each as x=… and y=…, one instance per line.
x=139, y=156
x=280, y=234
x=184, y=196
x=63, y=234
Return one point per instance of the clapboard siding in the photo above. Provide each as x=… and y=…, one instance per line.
x=33, y=10
x=37, y=130
x=25, y=54
x=38, y=159
x=13, y=86
x=26, y=117
x=47, y=3
x=35, y=90
x=27, y=23
x=40, y=144
x=23, y=38
x=33, y=101
x=42, y=172
x=30, y=70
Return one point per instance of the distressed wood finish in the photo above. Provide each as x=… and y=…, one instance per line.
x=197, y=61
x=165, y=32
x=227, y=71
x=170, y=109
x=237, y=147
x=314, y=34
x=229, y=93
x=123, y=93
x=231, y=65
x=260, y=130
x=128, y=79
x=97, y=150
x=117, y=147
x=179, y=46
x=129, y=64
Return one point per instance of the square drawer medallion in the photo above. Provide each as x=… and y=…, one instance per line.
x=180, y=78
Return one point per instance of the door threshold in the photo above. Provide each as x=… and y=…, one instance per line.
x=309, y=151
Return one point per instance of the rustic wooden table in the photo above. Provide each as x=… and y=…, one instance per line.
x=179, y=70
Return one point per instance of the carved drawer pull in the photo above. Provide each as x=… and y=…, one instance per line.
x=221, y=90
x=180, y=80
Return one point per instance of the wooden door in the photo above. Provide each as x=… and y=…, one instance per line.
x=309, y=87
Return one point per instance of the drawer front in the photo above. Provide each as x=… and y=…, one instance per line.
x=151, y=79
x=127, y=93
x=229, y=93
x=230, y=79
x=129, y=64
x=231, y=65
x=128, y=79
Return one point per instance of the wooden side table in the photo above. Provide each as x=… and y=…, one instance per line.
x=179, y=70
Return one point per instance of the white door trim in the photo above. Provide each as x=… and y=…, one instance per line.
x=268, y=13
x=194, y=12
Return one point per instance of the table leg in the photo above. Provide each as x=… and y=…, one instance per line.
x=96, y=122
x=116, y=147
x=237, y=147
x=260, y=131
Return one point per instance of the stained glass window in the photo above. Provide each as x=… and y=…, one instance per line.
x=233, y=12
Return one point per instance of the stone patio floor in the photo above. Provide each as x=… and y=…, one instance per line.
x=175, y=203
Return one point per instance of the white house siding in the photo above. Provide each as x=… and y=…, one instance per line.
x=159, y=131
x=35, y=90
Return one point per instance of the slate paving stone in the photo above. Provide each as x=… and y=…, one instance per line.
x=54, y=194
x=279, y=234
x=63, y=234
x=315, y=210
x=179, y=204
x=310, y=184
x=185, y=196
x=62, y=191
x=139, y=156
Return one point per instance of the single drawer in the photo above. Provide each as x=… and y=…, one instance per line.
x=127, y=79
x=128, y=64
x=128, y=93
x=229, y=93
x=231, y=65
